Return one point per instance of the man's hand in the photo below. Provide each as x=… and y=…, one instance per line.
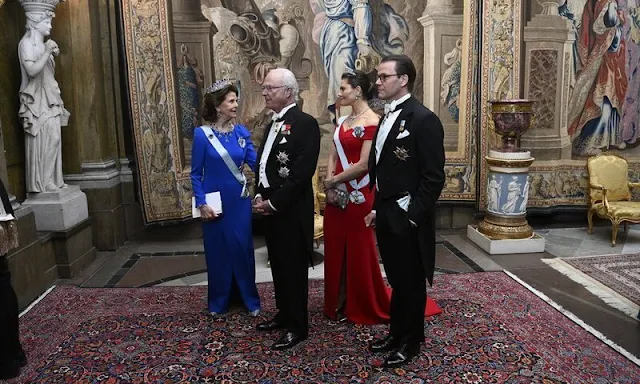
x=370, y=219
x=207, y=213
x=262, y=206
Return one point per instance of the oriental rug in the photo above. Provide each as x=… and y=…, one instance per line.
x=492, y=329
x=615, y=279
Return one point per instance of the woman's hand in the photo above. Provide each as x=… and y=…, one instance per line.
x=207, y=213
x=330, y=182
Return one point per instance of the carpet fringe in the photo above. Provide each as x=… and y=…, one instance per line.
x=576, y=320
x=36, y=301
x=597, y=288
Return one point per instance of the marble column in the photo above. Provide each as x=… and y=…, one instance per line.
x=548, y=42
x=94, y=140
x=443, y=26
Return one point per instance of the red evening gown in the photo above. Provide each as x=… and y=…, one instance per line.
x=350, y=248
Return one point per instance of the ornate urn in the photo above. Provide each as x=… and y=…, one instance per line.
x=511, y=119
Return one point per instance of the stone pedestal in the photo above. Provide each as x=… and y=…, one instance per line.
x=443, y=25
x=505, y=228
x=549, y=69
x=60, y=210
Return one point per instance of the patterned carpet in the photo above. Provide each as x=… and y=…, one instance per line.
x=492, y=330
x=618, y=272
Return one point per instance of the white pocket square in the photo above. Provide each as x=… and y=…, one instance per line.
x=403, y=202
x=283, y=141
x=402, y=135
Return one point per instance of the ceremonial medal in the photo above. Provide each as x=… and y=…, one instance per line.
x=357, y=197
x=401, y=153
x=242, y=142
x=358, y=131
x=286, y=129
x=282, y=157
x=283, y=172
x=402, y=125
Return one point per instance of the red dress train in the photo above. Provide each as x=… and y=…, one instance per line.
x=349, y=244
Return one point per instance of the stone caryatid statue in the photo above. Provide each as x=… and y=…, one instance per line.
x=42, y=111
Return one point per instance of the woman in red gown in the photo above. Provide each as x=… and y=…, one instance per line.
x=354, y=287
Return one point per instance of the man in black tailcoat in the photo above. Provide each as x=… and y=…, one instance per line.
x=407, y=169
x=286, y=163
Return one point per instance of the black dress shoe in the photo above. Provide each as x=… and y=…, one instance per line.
x=269, y=325
x=287, y=340
x=384, y=345
x=402, y=355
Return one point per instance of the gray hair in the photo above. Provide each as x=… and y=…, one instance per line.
x=289, y=81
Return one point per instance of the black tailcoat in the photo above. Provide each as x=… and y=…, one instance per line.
x=290, y=167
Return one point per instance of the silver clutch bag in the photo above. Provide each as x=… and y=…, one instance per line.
x=337, y=197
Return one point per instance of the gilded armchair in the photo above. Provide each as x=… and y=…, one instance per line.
x=610, y=192
x=318, y=220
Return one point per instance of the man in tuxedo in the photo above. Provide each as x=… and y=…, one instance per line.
x=407, y=167
x=287, y=161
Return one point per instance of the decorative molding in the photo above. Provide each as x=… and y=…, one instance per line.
x=500, y=77
x=461, y=165
x=98, y=175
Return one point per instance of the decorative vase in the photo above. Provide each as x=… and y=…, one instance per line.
x=511, y=119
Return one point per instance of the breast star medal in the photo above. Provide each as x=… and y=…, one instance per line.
x=401, y=153
x=283, y=172
x=282, y=157
x=358, y=132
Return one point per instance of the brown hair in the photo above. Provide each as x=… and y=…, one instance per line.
x=362, y=80
x=404, y=66
x=213, y=100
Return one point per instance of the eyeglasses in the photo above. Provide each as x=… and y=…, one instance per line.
x=384, y=77
x=270, y=88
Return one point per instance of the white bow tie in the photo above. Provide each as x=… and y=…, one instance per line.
x=390, y=107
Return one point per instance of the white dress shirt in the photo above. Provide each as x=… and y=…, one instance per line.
x=387, y=123
x=268, y=145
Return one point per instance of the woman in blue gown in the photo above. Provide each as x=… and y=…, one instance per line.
x=220, y=150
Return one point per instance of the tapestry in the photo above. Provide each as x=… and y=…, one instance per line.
x=492, y=329
x=583, y=81
x=176, y=49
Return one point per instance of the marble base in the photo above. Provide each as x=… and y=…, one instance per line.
x=535, y=244
x=59, y=210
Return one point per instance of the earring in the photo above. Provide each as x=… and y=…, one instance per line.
x=218, y=114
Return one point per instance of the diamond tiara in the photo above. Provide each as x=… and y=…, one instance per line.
x=221, y=84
